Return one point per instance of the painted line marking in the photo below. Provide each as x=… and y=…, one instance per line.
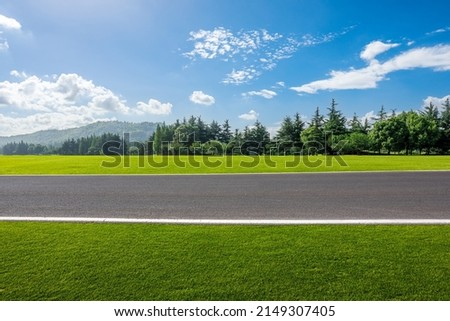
x=230, y=222
x=229, y=173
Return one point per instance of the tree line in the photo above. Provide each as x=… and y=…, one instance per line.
x=412, y=132
x=91, y=145
x=426, y=131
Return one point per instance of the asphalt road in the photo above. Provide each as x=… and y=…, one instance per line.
x=407, y=195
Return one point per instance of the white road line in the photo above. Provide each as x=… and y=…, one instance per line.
x=230, y=222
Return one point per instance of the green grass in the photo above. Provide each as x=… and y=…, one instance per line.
x=203, y=165
x=67, y=261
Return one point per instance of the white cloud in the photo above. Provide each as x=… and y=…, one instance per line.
x=268, y=94
x=67, y=93
x=354, y=79
x=435, y=101
x=370, y=116
x=375, y=48
x=437, y=31
x=251, y=115
x=9, y=23
x=64, y=101
x=18, y=74
x=252, y=50
x=10, y=126
x=436, y=57
x=199, y=97
x=154, y=107
x=237, y=77
x=4, y=46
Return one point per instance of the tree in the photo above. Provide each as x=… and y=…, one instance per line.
x=226, y=134
x=214, y=131
x=157, y=139
x=255, y=139
x=162, y=136
x=298, y=127
x=429, y=121
x=431, y=112
x=202, y=131
x=444, y=128
x=356, y=126
x=390, y=134
x=357, y=143
x=382, y=114
x=317, y=119
x=335, y=122
x=286, y=130
x=423, y=130
x=313, y=137
x=334, y=129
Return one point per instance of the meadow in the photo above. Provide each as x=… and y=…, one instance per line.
x=109, y=165
x=66, y=261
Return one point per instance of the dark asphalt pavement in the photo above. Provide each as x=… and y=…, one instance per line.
x=396, y=195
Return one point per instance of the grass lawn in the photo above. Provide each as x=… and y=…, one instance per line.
x=220, y=164
x=67, y=261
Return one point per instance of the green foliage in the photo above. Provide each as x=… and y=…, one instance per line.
x=291, y=130
x=335, y=122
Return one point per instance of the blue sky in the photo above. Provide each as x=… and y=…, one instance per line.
x=70, y=63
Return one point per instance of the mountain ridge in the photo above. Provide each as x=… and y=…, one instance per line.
x=53, y=137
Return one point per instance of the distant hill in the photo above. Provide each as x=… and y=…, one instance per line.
x=138, y=132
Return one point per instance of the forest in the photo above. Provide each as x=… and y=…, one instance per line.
x=412, y=132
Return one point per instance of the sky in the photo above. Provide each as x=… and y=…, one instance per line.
x=66, y=64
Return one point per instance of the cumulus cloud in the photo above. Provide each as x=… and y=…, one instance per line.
x=9, y=23
x=67, y=93
x=154, y=107
x=436, y=58
x=436, y=101
x=199, y=97
x=68, y=100
x=251, y=115
x=265, y=93
x=254, y=51
x=375, y=48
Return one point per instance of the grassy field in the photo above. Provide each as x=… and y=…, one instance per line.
x=59, y=261
x=202, y=165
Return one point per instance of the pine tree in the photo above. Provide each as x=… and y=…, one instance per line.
x=444, y=140
x=214, y=131
x=285, y=133
x=335, y=124
x=355, y=125
x=382, y=114
x=226, y=134
x=298, y=127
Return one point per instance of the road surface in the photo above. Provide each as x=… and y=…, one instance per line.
x=328, y=196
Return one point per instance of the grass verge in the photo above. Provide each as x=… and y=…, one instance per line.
x=18, y=165
x=66, y=261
